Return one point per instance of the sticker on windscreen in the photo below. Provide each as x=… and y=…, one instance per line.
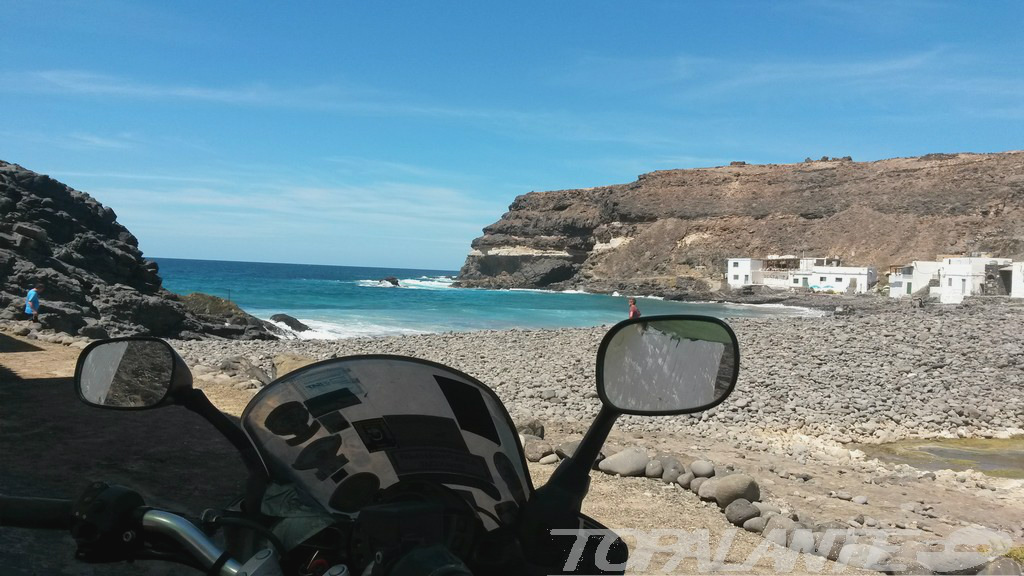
x=319, y=382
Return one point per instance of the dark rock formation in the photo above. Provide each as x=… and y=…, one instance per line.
x=670, y=232
x=290, y=321
x=390, y=280
x=97, y=283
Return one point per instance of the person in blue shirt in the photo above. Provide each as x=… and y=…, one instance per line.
x=32, y=302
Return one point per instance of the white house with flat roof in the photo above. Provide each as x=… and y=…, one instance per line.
x=742, y=272
x=1016, y=280
x=906, y=280
x=788, y=272
x=953, y=279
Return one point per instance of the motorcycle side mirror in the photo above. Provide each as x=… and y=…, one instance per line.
x=654, y=366
x=667, y=365
x=131, y=374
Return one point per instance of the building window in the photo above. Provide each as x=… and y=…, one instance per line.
x=822, y=279
x=735, y=264
x=950, y=281
x=796, y=280
x=735, y=276
x=839, y=280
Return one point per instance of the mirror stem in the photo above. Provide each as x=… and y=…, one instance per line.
x=557, y=503
x=197, y=402
x=573, y=474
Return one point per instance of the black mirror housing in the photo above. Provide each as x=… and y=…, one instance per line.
x=663, y=365
x=135, y=373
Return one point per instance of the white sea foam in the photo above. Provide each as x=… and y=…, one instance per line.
x=428, y=283
x=375, y=284
x=421, y=283
x=321, y=330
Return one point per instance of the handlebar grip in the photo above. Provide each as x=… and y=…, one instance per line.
x=45, y=513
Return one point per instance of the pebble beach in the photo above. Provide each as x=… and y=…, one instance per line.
x=881, y=376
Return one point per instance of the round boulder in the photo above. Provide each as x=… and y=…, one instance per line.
x=708, y=489
x=671, y=471
x=735, y=486
x=685, y=480
x=740, y=510
x=702, y=469
x=755, y=525
x=777, y=529
x=630, y=462
x=864, y=556
x=654, y=469
x=536, y=448
x=695, y=483
x=1002, y=565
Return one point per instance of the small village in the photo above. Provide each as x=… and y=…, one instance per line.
x=949, y=279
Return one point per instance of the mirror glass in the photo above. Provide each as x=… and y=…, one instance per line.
x=667, y=365
x=126, y=373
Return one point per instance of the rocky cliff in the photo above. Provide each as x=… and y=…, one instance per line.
x=670, y=232
x=96, y=282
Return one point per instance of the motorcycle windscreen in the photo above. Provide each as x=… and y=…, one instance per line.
x=343, y=430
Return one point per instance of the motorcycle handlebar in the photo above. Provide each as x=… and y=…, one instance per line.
x=56, y=514
x=39, y=513
x=191, y=538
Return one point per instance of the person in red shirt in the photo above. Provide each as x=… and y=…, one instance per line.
x=634, y=312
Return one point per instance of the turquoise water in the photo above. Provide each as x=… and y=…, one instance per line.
x=345, y=301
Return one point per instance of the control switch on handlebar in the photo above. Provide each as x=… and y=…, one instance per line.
x=107, y=522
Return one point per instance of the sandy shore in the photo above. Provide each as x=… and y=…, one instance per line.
x=808, y=386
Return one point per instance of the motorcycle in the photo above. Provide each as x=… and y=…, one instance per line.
x=383, y=465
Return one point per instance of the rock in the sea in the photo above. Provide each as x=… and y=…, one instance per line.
x=290, y=321
x=702, y=469
x=741, y=510
x=630, y=462
x=735, y=486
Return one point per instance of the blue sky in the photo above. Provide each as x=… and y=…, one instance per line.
x=389, y=133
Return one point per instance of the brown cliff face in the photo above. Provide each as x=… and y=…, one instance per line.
x=671, y=231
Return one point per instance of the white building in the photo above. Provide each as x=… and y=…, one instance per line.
x=743, y=272
x=843, y=279
x=786, y=272
x=951, y=279
x=906, y=280
x=1016, y=280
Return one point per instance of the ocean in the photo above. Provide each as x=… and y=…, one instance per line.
x=348, y=301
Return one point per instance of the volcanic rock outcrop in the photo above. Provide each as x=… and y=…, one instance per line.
x=97, y=284
x=671, y=231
